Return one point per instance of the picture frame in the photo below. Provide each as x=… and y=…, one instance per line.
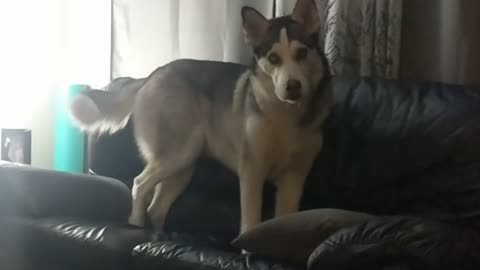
x=16, y=146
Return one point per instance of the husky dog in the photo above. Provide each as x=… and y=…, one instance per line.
x=263, y=121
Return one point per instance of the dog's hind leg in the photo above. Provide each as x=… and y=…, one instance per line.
x=175, y=161
x=155, y=173
x=169, y=131
x=137, y=215
x=165, y=195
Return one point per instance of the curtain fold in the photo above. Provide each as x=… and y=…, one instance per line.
x=359, y=37
x=362, y=37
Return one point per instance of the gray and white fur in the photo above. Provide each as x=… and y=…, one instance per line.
x=263, y=121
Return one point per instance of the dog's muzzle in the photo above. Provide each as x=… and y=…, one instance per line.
x=294, y=90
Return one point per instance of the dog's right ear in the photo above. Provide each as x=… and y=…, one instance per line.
x=306, y=13
x=255, y=25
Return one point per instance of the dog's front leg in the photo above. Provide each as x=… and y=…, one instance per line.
x=291, y=182
x=252, y=177
x=289, y=192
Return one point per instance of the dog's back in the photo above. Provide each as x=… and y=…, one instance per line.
x=190, y=97
x=210, y=79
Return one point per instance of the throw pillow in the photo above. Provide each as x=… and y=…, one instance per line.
x=293, y=237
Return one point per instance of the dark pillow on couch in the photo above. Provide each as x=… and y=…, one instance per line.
x=294, y=237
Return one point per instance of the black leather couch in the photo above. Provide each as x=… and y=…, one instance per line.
x=406, y=152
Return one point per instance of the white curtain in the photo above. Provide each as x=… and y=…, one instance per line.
x=151, y=33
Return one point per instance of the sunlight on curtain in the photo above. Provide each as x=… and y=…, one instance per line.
x=46, y=45
x=30, y=55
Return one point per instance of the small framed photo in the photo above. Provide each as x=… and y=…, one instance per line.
x=16, y=145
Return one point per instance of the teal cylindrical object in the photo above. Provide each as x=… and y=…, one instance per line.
x=69, y=142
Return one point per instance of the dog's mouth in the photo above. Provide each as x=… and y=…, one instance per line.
x=291, y=97
x=291, y=101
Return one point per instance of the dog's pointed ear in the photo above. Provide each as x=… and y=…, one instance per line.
x=306, y=14
x=255, y=25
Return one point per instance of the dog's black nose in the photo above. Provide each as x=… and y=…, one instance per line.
x=294, y=89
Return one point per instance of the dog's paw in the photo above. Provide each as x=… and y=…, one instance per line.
x=136, y=220
x=157, y=226
x=244, y=252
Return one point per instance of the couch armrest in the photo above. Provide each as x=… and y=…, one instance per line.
x=26, y=191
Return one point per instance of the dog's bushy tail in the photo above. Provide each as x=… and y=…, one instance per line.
x=105, y=111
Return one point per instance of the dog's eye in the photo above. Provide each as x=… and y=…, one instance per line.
x=274, y=59
x=301, y=54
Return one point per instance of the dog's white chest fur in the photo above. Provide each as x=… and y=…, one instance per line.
x=283, y=144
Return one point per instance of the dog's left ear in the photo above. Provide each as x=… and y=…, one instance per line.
x=255, y=25
x=306, y=14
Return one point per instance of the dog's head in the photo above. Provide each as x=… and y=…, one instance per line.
x=286, y=49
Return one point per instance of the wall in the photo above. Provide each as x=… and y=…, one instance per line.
x=441, y=41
